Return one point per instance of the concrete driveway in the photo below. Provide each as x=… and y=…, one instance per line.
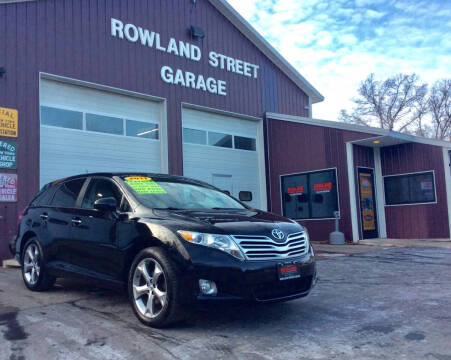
x=385, y=304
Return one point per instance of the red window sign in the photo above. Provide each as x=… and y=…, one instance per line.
x=8, y=187
x=296, y=190
x=323, y=187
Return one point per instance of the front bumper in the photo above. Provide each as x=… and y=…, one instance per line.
x=249, y=280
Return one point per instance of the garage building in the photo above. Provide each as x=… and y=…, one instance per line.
x=190, y=88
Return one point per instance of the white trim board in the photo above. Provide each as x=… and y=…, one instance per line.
x=358, y=128
x=186, y=105
x=352, y=190
x=267, y=49
x=446, y=164
x=380, y=198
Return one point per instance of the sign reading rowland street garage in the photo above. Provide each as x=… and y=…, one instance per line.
x=151, y=39
x=8, y=154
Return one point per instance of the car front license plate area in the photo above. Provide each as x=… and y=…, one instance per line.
x=288, y=271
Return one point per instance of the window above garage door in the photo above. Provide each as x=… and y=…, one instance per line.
x=211, y=138
x=85, y=121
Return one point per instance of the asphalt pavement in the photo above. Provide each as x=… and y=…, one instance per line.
x=383, y=304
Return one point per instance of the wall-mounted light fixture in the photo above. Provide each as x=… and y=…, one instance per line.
x=2, y=71
x=197, y=32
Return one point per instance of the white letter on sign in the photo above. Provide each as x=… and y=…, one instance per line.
x=167, y=74
x=147, y=38
x=195, y=53
x=213, y=59
x=134, y=37
x=211, y=85
x=117, y=27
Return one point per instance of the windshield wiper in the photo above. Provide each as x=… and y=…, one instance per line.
x=168, y=208
x=220, y=208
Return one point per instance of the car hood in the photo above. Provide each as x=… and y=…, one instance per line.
x=233, y=222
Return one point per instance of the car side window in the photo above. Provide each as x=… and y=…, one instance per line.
x=103, y=188
x=67, y=193
x=44, y=196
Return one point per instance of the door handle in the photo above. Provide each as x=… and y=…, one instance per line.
x=44, y=216
x=76, y=221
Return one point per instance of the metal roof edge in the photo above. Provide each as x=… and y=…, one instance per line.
x=267, y=49
x=359, y=128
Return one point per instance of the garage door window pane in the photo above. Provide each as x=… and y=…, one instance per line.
x=142, y=129
x=61, y=118
x=410, y=189
x=104, y=124
x=193, y=136
x=221, y=140
x=245, y=143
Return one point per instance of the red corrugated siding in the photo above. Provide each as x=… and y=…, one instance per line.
x=72, y=38
x=416, y=221
x=295, y=147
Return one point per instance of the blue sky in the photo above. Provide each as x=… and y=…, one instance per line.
x=336, y=44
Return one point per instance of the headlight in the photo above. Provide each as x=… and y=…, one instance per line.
x=307, y=237
x=221, y=242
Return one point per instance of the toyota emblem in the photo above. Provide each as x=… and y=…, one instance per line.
x=278, y=234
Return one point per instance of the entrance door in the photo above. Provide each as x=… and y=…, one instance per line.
x=368, y=213
x=223, y=182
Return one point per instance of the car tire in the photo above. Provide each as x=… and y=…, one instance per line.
x=34, y=272
x=154, y=289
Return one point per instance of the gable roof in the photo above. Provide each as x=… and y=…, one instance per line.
x=267, y=49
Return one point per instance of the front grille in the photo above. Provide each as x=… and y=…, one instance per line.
x=265, y=248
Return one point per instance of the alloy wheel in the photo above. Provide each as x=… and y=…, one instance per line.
x=149, y=288
x=32, y=264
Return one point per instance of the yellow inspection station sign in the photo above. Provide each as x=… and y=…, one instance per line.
x=9, y=122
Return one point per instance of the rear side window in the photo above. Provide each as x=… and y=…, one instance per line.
x=67, y=193
x=44, y=196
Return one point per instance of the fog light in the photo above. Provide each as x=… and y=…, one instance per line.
x=208, y=287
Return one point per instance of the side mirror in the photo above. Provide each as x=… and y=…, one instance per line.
x=106, y=204
x=245, y=196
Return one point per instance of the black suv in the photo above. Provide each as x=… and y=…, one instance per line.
x=170, y=240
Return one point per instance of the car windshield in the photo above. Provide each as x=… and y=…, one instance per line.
x=171, y=194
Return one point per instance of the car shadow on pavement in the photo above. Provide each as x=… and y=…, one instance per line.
x=203, y=315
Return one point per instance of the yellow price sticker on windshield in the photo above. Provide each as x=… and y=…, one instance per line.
x=138, y=178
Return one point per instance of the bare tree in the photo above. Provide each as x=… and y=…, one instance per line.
x=439, y=105
x=395, y=103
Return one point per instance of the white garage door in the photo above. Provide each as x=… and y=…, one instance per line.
x=88, y=130
x=223, y=151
